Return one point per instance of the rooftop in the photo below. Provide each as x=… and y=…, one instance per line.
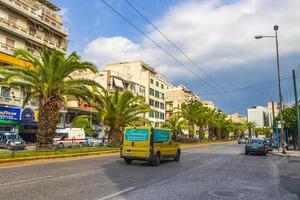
x=49, y=5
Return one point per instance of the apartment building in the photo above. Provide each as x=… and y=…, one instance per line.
x=177, y=95
x=236, y=118
x=154, y=86
x=26, y=24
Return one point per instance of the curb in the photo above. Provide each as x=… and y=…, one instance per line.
x=206, y=144
x=21, y=159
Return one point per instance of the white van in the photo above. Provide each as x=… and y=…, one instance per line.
x=69, y=137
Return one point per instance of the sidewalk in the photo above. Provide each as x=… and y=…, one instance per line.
x=289, y=154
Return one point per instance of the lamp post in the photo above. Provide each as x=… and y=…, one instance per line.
x=279, y=84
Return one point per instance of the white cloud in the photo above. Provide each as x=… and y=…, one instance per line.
x=214, y=35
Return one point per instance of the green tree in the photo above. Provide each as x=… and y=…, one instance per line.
x=50, y=82
x=118, y=110
x=250, y=126
x=83, y=121
x=190, y=111
x=176, y=123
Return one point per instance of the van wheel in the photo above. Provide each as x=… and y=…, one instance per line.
x=127, y=161
x=156, y=161
x=61, y=145
x=177, y=157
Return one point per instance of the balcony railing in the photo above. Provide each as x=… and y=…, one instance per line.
x=28, y=34
x=6, y=49
x=16, y=101
x=25, y=9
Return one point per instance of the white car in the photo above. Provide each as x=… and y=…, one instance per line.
x=69, y=137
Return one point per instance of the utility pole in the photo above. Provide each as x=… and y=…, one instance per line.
x=273, y=111
x=297, y=107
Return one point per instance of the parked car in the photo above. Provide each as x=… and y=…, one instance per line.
x=92, y=142
x=241, y=141
x=256, y=146
x=12, y=141
x=69, y=137
x=149, y=144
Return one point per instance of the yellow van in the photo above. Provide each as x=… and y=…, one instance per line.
x=149, y=144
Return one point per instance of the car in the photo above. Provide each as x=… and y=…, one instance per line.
x=241, y=141
x=12, y=141
x=92, y=142
x=149, y=144
x=256, y=146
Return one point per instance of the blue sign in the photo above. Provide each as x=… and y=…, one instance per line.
x=137, y=135
x=10, y=113
x=161, y=135
x=27, y=114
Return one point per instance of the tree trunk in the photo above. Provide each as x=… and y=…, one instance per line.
x=201, y=133
x=114, y=138
x=191, y=132
x=48, y=117
x=219, y=133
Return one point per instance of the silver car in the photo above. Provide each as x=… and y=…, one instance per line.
x=12, y=141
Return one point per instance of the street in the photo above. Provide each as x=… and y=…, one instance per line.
x=207, y=172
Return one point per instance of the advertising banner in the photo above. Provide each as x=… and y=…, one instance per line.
x=10, y=113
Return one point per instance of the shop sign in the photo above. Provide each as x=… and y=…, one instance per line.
x=10, y=113
x=28, y=114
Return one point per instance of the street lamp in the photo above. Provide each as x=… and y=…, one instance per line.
x=279, y=85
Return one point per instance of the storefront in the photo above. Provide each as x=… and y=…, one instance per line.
x=9, y=118
x=28, y=125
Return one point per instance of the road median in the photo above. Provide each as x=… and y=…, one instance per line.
x=20, y=157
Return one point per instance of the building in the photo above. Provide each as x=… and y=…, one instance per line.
x=153, y=84
x=25, y=24
x=258, y=115
x=236, y=118
x=176, y=96
x=263, y=116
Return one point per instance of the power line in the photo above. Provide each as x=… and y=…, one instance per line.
x=248, y=87
x=182, y=52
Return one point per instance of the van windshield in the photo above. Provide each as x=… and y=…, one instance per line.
x=14, y=137
x=137, y=135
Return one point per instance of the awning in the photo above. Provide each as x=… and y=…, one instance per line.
x=118, y=83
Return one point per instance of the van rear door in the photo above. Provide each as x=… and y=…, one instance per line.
x=136, y=142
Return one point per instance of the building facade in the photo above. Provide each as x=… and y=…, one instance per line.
x=30, y=25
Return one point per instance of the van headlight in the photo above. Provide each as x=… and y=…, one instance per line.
x=12, y=143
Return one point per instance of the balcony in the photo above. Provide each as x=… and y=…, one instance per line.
x=6, y=49
x=24, y=32
x=28, y=11
x=18, y=102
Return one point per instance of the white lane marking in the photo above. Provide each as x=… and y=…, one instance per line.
x=26, y=180
x=117, y=193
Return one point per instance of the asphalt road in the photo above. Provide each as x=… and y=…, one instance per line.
x=208, y=172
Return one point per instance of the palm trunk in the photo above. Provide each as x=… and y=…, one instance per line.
x=48, y=117
x=219, y=133
x=114, y=138
x=201, y=133
x=191, y=132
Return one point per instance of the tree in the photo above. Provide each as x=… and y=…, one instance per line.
x=250, y=126
x=212, y=121
x=176, y=123
x=83, y=121
x=118, y=110
x=190, y=111
x=49, y=81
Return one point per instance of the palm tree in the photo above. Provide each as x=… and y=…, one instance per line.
x=212, y=115
x=176, y=123
x=49, y=81
x=250, y=126
x=202, y=120
x=118, y=110
x=190, y=111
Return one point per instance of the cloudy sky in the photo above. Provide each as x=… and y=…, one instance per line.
x=222, y=61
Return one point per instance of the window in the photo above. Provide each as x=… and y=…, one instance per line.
x=156, y=94
x=156, y=104
x=12, y=19
x=161, y=96
x=151, y=102
x=162, y=86
x=162, y=115
x=5, y=92
x=156, y=114
x=162, y=106
x=151, y=80
x=151, y=92
x=10, y=42
x=157, y=83
x=151, y=114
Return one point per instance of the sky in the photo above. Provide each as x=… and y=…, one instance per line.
x=222, y=61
